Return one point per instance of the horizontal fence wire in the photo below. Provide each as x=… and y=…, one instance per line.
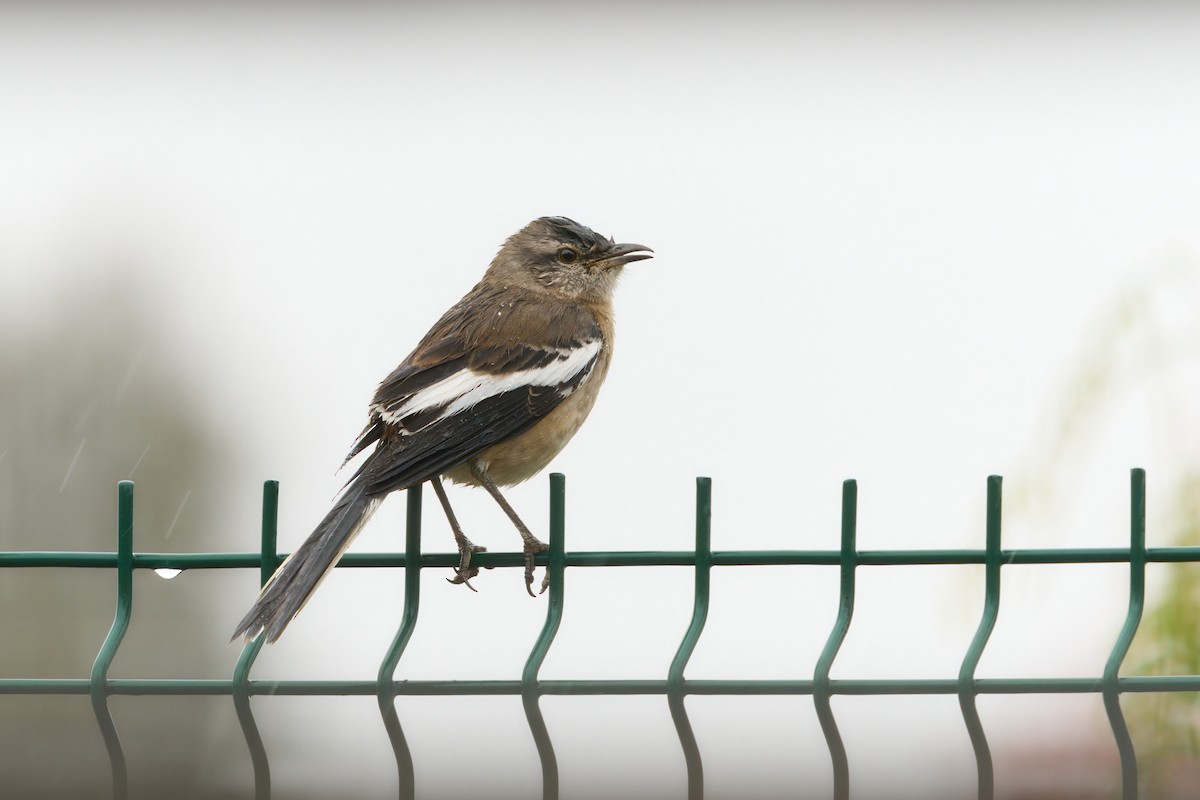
x=675, y=687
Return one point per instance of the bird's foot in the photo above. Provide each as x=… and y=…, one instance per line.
x=464, y=571
x=533, y=546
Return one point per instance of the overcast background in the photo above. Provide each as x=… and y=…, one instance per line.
x=887, y=236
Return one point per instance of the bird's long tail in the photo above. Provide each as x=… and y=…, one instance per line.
x=300, y=574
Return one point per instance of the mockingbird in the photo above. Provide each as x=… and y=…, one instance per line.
x=491, y=394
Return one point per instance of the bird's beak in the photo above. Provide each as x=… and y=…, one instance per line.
x=621, y=254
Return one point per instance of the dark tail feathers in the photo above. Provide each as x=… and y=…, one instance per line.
x=298, y=577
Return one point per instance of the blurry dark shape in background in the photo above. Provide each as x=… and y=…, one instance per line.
x=90, y=396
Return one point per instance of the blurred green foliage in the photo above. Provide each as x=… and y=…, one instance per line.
x=1142, y=357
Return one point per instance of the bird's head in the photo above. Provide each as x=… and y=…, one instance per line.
x=567, y=258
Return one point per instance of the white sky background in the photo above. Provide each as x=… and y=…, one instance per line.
x=881, y=234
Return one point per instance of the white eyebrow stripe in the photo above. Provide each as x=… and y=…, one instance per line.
x=466, y=388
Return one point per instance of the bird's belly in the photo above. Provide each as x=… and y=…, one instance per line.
x=522, y=457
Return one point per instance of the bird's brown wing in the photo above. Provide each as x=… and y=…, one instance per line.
x=490, y=369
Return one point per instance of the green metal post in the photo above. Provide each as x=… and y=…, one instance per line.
x=1137, y=599
x=676, y=686
x=530, y=688
x=991, y=609
x=99, y=687
x=386, y=692
x=822, y=686
x=241, y=672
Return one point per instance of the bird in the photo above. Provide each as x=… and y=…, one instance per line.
x=488, y=398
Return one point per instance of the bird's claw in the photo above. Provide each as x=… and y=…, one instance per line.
x=532, y=548
x=464, y=578
x=464, y=571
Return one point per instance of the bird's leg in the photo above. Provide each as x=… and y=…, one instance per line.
x=533, y=545
x=464, y=572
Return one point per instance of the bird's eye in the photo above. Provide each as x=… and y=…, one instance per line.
x=567, y=255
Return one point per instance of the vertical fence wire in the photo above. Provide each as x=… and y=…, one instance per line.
x=530, y=690
x=1137, y=598
x=676, y=686
x=822, y=688
x=387, y=670
x=99, y=688
x=268, y=562
x=991, y=609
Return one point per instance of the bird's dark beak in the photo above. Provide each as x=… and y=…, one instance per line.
x=621, y=254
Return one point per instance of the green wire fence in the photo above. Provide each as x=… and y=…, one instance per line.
x=675, y=686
